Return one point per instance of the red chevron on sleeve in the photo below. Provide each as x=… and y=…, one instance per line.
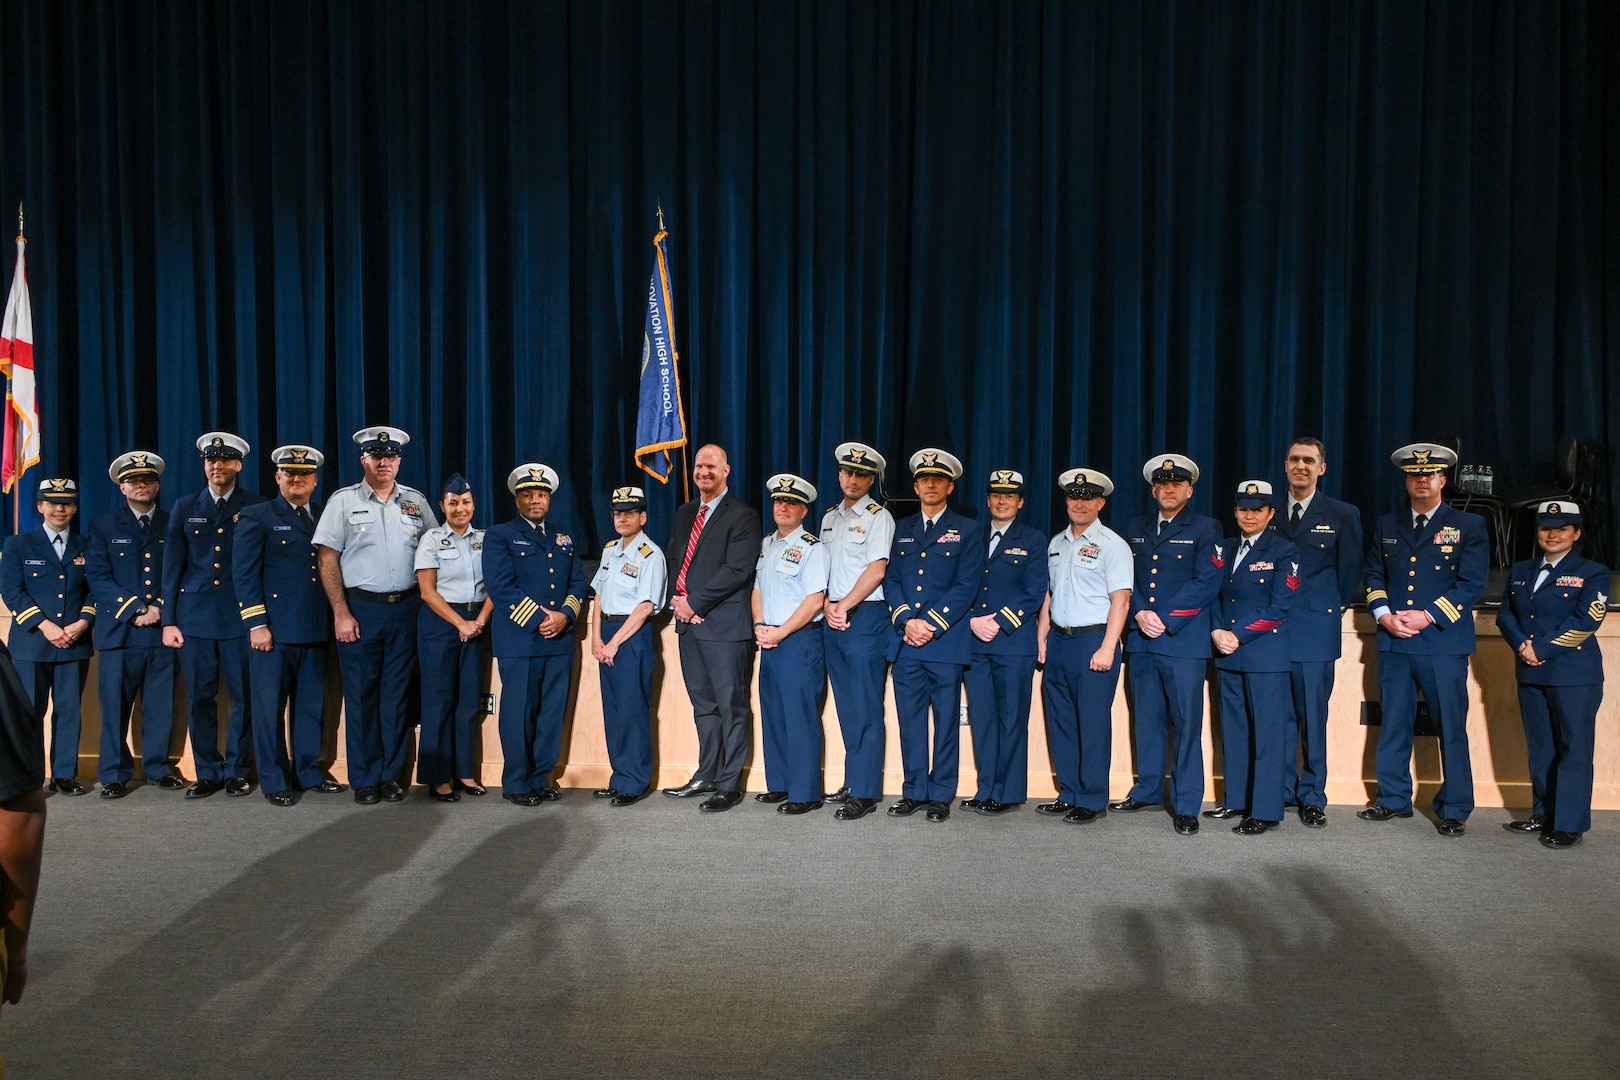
x=1292, y=580
x=1183, y=613
x=1262, y=625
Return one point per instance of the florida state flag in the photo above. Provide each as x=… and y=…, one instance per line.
x=17, y=361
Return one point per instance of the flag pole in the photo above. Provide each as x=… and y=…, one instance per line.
x=686, y=471
x=16, y=488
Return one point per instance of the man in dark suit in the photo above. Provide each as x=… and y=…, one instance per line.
x=935, y=569
x=1327, y=534
x=202, y=619
x=714, y=547
x=1426, y=569
x=124, y=564
x=42, y=580
x=289, y=628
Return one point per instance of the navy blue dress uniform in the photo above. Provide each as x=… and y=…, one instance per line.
x=856, y=534
x=1557, y=604
x=455, y=673
x=376, y=545
x=1000, y=678
x=1433, y=565
x=124, y=565
x=199, y=597
x=1177, y=578
x=1259, y=588
x=278, y=588
x=42, y=578
x=1327, y=533
x=531, y=568
x=632, y=572
x=936, y=568
x=1085, y=570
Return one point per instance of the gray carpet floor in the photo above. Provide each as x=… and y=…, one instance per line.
x=229, y=938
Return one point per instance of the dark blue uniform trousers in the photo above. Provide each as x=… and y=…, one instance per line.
x=791, y=679
x=1254, y=715
x=1168, y=691
x=149, y=672
x=202, y=661
x=377, y=672
x=1560, y=727
x=454, y=675
x=295, y=675
x=534, y=697
x=857, y=664
x=60, y=685
x=627, y=711
x=1305, y=738
x=999, y=688
x=921, y=688
x=1079, y=706
x=1444, y=681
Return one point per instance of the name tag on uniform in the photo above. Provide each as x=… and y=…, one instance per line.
x=122, y=540
x=199, y=521
x=906, y=540
x=33, y=562
x=448, y=550
x=361, y=515
x=281, y=528
x=523, y=543
x=1390, y=540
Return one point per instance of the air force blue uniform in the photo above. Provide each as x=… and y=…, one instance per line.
x=1001, y=675
x=1559, y=698
x=38, y=586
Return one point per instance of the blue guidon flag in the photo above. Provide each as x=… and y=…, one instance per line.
x=660, y=419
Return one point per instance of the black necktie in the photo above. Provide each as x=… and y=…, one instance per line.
x=144, y=520
x=57, y=543
x=1293, y=519
x=995, y=541
x=303, y=515
x=219, y=504
x=926, y=526
x=1542, y=575
x=1161, y=527
x=1243, y=549
x=1420, y=522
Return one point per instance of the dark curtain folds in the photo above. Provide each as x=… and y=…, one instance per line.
x=1039, y=235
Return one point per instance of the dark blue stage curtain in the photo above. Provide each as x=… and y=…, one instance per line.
x=1037, y=234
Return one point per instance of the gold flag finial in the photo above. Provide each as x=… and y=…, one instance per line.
x=657, y=202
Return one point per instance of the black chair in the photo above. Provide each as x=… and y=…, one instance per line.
x=1491, y=507
x=1575, y=478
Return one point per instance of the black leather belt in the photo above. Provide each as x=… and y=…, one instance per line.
x=471, y=607
x=1071, y=631
x=613, y=618
x=385, y=597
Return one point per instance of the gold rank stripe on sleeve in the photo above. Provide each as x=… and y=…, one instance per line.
x=88, y=609
x=253, y=612
x=123, y=607
x=1012, y=617
x=898, y=612
x=1571, y=638
x=29, y=614
x=572, y=604
x=1448, y=609
x=524, y=610
x=938, y=619
x=1375, y=595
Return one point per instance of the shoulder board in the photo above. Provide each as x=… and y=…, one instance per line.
x=613, y=543
x=645, y=549
x=872, y=507
x=810, y=538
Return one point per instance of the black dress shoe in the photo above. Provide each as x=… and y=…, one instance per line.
x=173, y=782
x=114, y=790
x=906, y=807
x=720, y=802
x=1535, y=823
x=854, y=808
x=971, y=804
x=68, y=785
x=203, y=788
x=1559, y=840
x=476, y=790
x=1221, y=812
x=771, y=796
x=367, y=796
x=280, y=798
x=692, y=788
x=1450, y=826
x=521, y=798
x=799, y=807
x=549, y=794
x=991, y=808
x=1186, y=824
x=237, y=786
x=1254, y=826
x=1380, y=812
x=444, y=796
x=1313, y=817
x=1057, y=808
x=391, y=791
x=1080, y=815
x=1130, y=804
x=626, y=799
x=839, y=796
x=605, y=793
x=329, y=786
x=939, y=811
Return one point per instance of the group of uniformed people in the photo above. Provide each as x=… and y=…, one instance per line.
x=249, y=591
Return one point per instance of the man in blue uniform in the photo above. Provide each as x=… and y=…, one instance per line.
x=630, y=585
x=289, y=625
x=1327, y=534
x=1426, y=569
x=42, y=579
x=1177, y=579
x=202, y=619
x=1550, y=616
x=124, y=565
x=1082, y=623
x=790, y=588
x=935, y=570
x=534, y=578
x=1005, y=621
x=367, y=539
x=857, y=534
x=1259, y=582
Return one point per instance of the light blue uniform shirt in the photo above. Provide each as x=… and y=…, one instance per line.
x=459, y=561
x=1084, y=570
x=377, y=539
x=788, y=571
x=855, y=538
x=632, y=571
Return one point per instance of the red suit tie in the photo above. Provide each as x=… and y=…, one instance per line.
x=691, y=546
